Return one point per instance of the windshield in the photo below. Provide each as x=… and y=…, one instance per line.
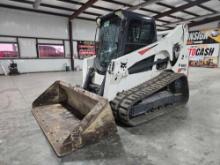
x=108, y=40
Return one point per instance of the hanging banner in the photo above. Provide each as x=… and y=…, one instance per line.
x=85, y=49
x=203, y=55
x=209, y=36
x=203, y=47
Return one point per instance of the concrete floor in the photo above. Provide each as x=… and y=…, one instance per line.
x=188, y=136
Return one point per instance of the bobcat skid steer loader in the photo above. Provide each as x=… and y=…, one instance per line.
x=133, y=79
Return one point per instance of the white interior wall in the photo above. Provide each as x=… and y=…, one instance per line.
x=39, y=65
x=27, y=47
x=83, y=30
x=23, y=23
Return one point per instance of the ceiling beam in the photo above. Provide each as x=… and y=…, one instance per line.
x=164, y=27
x=207, y=8
x=44, y=5
x=140, y=5
x=41, y=11
x=160, y=20
x=82, y=9
x=142, y=9
x=204, y=21
x=80, y=3
x=172, y=7
x=130, y=6
x=204, y=7
x=32, y=10
x=55, y=7
x=181, y=8
x=200, y=19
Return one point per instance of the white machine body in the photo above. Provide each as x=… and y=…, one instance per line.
x=117, y=77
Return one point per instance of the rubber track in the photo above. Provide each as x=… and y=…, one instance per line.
x=122, y=103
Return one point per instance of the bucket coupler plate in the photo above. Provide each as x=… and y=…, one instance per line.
x=71, y=117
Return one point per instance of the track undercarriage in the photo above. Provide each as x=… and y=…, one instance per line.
x=150, y=99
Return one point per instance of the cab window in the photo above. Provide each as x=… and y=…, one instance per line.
x=140, y=33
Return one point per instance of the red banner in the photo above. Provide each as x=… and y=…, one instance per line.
x=85, y=49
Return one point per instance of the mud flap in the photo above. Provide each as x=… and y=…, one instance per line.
x=71, y=117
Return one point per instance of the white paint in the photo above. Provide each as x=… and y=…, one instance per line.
x=75, y=53
x=23, y=23
x=43, y=41
x=98, y=78
x=67, y=48
x=3, y=69
x=78, y=63
x=27, y=47
x=7, y=39
x=83, y=30
x=118, y=77
x=87, y=63
x=37, y=65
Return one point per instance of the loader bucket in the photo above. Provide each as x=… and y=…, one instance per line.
x=71, y=117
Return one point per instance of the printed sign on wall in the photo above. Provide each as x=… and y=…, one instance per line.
x=203, y=55
x=85, y=49
x=203, y=48
x=204, y=37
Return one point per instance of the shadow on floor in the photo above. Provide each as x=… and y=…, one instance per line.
x=166, y=123
x=112, y=147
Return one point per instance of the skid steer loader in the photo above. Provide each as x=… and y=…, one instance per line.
x=133, y=79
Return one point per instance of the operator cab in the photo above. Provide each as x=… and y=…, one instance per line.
x=120, y=33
